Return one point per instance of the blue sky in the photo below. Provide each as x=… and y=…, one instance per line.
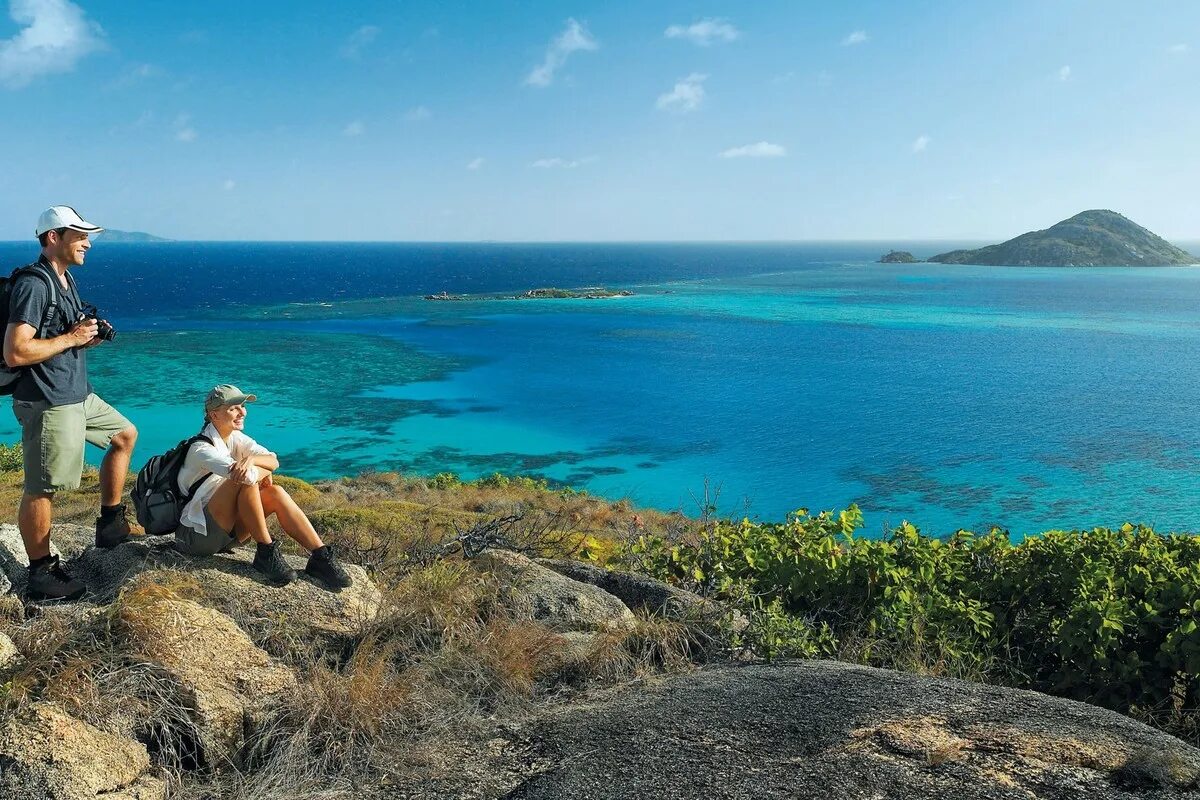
x=599, y=121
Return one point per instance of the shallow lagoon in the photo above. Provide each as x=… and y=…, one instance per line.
x=951, y=396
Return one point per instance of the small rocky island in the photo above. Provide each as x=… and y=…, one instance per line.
x=549, y=293
x=1088, y=239
x=130, y=237
x=897, y=257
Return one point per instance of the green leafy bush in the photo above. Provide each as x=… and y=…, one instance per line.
x=445, y=480
x=498, y=480
x=1107, y=616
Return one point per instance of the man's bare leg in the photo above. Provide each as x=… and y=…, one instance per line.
x=115, y=466
x=33, y=519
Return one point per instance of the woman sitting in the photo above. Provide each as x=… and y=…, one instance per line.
x=234, y=495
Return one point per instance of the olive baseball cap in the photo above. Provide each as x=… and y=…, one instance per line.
x=226, y=394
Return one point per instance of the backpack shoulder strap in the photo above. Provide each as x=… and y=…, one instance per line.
x=51, y=283
x=199, y=437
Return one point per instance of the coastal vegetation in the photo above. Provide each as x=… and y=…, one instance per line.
x=1088, y=239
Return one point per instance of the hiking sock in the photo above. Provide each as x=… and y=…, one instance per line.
x=263, y=550
x=320, y=551
x=109, y=513
x=34, y=563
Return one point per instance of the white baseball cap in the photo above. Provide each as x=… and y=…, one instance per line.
x=56, y=217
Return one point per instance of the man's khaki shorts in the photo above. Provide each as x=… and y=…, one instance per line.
x=52, y=439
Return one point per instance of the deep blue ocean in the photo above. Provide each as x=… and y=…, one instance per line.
x=787, y=375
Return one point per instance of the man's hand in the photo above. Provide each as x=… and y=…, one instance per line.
x=95, y=339
x=83, y=333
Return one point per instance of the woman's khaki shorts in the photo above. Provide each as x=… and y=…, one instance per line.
x=52, y=439
x=207, y=543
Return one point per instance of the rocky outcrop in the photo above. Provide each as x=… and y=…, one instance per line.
x=825, y=730
x=8, y=652
x=558, y=602
x=643, y=593
x=47, y=755
x=226, y=582
x=227, y=683
x=197, y=623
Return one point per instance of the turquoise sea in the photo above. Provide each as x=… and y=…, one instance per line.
x=787, y=375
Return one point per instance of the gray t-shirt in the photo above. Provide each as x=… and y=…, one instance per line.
x=62, y=379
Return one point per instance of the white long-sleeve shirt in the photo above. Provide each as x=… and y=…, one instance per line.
x=215, y=458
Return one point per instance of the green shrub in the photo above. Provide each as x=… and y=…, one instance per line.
x=498, y=480
x=445, y=480
x=1107, y=616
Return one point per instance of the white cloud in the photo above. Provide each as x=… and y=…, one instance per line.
x=136, y=74
x=54, y=35
x=1177, y=49
x=1064, y=73
x=354, y=128
x=920, y=143
x=561, y=163
x=856, y=37
x=687, y=95
x=704, y=32
x=756, y=150
x=475, y=163
x=574, y=37
x=229, y=185
x=418, y=114
x=358, y=41
x=184, y=132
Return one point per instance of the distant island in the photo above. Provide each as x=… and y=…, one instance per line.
x=897, y=257
x=1089, y=239
x=585, y=293
x=127, y=237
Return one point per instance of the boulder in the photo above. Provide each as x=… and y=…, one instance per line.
x=818, y=730
x=557, y=601
x=228, y=684
x=643, y=593
x=47, y=755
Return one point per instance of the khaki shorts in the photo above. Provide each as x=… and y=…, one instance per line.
x=52, y=439
x=208, y=543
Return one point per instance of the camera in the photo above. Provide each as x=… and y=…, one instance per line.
x=104, y=331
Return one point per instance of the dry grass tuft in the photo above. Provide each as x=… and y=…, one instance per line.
x=336, y=719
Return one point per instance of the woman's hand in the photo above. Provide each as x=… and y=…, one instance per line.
x=240, y=471
x=266, y=481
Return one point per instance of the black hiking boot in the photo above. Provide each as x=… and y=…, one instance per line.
x=114, y=532
x=49, y=581
x=323, y=565
x=269, y=561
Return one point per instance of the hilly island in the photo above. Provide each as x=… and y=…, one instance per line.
x=1088, y=239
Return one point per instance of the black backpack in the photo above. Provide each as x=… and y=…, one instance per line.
x=156, y=497
x=10, y=375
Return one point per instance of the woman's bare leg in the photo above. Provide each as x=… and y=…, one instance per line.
x=251, y=519
x=223, y=505
x=293, y=520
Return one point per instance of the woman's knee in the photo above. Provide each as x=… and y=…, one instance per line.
x=275, y=492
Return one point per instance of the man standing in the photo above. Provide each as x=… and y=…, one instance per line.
x=54, y=402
